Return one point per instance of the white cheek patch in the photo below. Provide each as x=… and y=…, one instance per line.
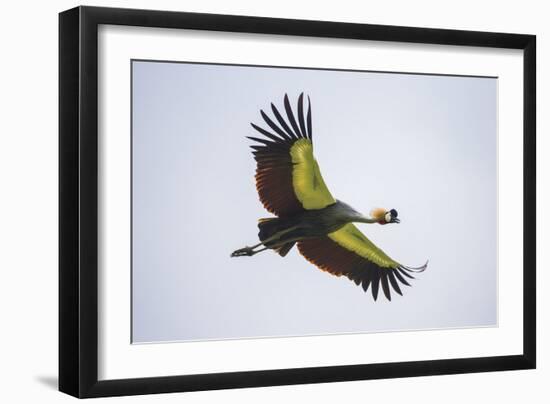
x=388, y=217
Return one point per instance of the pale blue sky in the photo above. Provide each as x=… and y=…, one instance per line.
x=424, y=145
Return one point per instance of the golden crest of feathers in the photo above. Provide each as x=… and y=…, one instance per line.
x=378, y=213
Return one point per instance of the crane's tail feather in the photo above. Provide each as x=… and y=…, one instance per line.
x=283, y=251
x=269, y=226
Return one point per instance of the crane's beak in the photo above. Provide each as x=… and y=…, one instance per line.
x=395, y=220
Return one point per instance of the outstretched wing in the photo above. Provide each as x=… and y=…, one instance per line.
x=349, y=252
x=288, y=178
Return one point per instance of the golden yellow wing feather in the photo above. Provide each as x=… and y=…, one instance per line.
x=351, y=238
x=309, y=186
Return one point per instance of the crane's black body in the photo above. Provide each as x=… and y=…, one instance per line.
x=284, y=232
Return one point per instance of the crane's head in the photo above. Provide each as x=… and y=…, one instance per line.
x=383, y=216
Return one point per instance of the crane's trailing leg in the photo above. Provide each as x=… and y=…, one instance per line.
x=271, y=238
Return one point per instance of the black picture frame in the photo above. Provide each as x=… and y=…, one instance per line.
x=78, y=201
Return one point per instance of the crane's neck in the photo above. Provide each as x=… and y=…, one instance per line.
x=351, y=215
x=364, y=219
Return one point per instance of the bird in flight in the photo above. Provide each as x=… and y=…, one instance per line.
x=290, y=186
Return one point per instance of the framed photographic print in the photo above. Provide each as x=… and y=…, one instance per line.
x=249, y=201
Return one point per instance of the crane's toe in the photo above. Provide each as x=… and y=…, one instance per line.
x=243, y=252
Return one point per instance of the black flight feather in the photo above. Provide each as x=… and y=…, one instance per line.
x=282, y=122
x=266, y=133
x=401, y=279
x=309, y=134
x=394, y=283
x=273, y=126
x=385, y=286
x=301, y=115
x=291, y=118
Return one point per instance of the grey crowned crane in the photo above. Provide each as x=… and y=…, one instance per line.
x=290, y=186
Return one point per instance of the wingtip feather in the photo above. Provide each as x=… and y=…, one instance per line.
x=417, y=269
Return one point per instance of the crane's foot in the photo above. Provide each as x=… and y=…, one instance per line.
x=243, y=252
